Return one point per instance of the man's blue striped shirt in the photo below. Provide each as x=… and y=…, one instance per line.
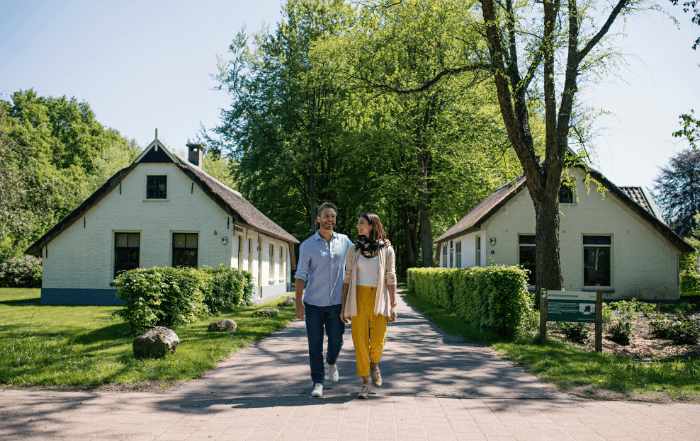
x=322, y=267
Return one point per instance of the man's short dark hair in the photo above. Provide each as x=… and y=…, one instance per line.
x=325, y=205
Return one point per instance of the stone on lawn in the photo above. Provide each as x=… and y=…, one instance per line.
x=223, y=326
x=155, y=343
x=289, y=301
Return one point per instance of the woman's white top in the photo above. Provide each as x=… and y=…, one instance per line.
x=367, y=270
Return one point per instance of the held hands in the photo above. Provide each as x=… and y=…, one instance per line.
x=300, y=312
x=343, y=318
x=392, y=318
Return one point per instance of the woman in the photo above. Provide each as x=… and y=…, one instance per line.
x=369, y=296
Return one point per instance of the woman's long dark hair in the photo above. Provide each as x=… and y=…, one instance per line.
x=377, y=228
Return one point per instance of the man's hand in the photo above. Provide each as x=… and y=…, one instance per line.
x=343, y=318
x=300, y=312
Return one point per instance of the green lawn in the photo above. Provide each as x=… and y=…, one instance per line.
x=586, y=374
x=83, y=345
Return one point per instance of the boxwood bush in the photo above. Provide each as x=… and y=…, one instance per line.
x=175, y=296
x=493, y=297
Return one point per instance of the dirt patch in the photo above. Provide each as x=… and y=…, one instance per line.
x=643, y=346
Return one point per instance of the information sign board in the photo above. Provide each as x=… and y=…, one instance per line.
x=571, y=306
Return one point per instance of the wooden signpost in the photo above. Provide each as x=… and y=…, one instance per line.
x=572, y=306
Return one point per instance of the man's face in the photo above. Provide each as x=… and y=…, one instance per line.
x=327, y=219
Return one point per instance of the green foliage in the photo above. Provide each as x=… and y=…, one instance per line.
x=629, y=307
x=226, y=288
x=493, y=297
x=683, y=331
x=690, y=283
x=160, y=297
x=435, y=285
x=576, y=332
x=680, y=308
x=690, y=127
x=175, y=296
x=54, y=154
x=606, y=313
x=621, y=330
x=21, y=272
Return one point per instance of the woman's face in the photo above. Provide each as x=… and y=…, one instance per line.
x=363, y=227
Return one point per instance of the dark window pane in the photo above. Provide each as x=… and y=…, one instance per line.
x=191, y=240
x=156, y=187
x=133, y=240
x=528, y=239
x=185, y=249
x=596, y=266
x=566, y=195
x=597, y=240
x=527, y=261
x=126, y=251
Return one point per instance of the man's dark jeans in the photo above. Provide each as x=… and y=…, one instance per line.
x=318, y=317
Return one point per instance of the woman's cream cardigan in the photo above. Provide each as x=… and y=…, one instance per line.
x=387, y=276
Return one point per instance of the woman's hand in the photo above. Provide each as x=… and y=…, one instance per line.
x=392, y=318
x=344, y=318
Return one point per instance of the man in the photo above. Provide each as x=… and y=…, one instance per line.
x=321, y=268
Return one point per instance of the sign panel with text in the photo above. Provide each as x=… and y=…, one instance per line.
x=571, y=306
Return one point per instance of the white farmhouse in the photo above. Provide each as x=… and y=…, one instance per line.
x=611, y=238
x=161, y=210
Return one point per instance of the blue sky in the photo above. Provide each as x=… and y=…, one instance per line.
x=143, y=65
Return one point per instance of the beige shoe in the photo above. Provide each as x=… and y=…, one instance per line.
x=376, y=377
x=364, y=392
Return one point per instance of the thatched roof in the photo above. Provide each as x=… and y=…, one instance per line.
x=631, y=197
x=229, y=200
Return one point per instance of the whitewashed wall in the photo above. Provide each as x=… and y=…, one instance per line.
x=644, y=264
x=83, y=255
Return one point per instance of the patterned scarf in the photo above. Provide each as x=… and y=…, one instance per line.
x=369, y=248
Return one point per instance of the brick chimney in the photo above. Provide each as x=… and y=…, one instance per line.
x=195, y=154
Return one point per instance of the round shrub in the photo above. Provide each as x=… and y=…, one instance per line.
x=21, y=272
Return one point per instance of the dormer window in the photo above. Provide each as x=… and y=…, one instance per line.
x=157, y=187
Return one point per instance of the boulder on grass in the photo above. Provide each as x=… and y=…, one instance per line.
x=155, y=343
x=289, y=301
x=272, y=312
x=223, y=326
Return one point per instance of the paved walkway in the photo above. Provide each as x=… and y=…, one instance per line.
x=434, y=389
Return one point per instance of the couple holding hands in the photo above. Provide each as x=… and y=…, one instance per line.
x=346, y=282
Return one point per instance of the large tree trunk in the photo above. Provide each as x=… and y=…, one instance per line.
x=548, y=266
x=411, y=238
x=426, y=225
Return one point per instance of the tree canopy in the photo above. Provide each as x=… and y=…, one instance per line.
x=54, y=155
x=677, y=192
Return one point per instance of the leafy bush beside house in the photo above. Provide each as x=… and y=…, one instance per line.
x=176, y=296
x=21, y=272
x=493, y=297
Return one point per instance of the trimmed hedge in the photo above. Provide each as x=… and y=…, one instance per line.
x=175, y=296
x=21, y=272
x=493, y=297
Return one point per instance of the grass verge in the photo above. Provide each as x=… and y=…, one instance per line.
x=68, y=346
x=586, y=374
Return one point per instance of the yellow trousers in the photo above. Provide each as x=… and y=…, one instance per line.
x=368, y=330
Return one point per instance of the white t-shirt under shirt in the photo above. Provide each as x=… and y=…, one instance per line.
x=367, y=271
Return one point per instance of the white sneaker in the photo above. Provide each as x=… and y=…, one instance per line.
x=333, y=374
x=318, y=390
x=376, y=377
x=364, y=392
